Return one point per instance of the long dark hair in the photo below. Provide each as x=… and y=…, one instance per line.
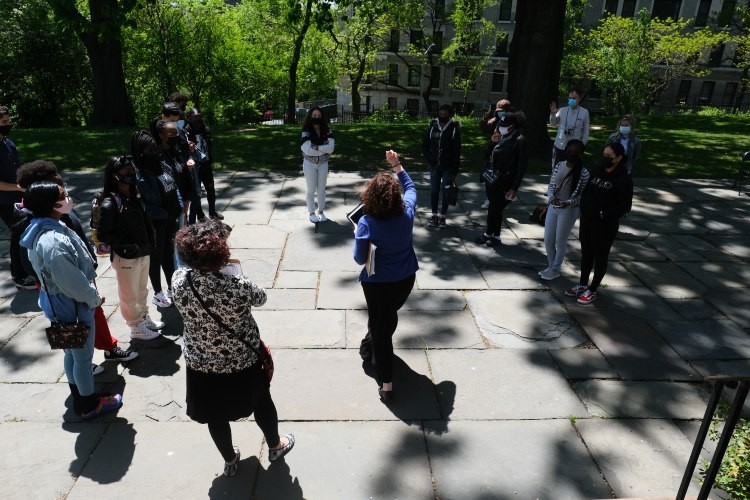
x=41, y=197
x=110, y=171
x=575, y=170
x=307, y=123
x=139, y=141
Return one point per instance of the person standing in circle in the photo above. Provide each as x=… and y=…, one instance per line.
x=441, y=148
x=625, y=135
x=317, y=148
x=572, y=123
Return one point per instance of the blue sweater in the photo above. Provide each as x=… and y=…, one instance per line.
x=394, y=258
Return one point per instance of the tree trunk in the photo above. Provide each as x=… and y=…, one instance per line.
x=534, y=67
x=291, y=115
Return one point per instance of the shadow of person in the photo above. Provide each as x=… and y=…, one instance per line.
x=417, y=399
x=158, y=357
x=25, y=301
x=254, y=482
x=104, y=451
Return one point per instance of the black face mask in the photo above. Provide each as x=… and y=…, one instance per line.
x=126, y=179
x=574, y=159
x=150, y=161
x=444, y=119
x=172, y=141
x=317, y=121
x=606, y=162
x=5, y=130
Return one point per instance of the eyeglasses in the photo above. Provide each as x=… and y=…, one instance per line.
x=122, y=161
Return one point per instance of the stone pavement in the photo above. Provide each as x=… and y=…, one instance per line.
x=505, y=388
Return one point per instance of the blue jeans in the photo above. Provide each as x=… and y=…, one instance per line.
x=439, y=180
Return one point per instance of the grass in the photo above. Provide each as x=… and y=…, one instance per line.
x=687, y=146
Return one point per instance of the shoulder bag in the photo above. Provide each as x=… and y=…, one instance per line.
x=264, y=353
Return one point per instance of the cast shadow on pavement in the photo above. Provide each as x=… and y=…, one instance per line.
x=275, y=482
x=93, y=449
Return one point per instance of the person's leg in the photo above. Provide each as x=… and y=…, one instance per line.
x=435, y=177
x=167, y=263
x=154, y=267
x=445, y=183
x=207, y=178
x=550, y=234
x=195, y=199
x=311, y=180
x=17, y=271
x=321, y=187
x=566, y=219
x=586, y=236
x=266, y=416
x=127, y=289
x=78, y=363
x=142, y=266
x=103, y=339
x=605, y=237
x=495, y=213
x=221, y=433
x=377, y=296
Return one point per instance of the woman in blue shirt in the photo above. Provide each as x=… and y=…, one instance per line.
x=386, y=230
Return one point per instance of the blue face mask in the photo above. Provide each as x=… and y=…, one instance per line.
x=180, y=124
x=499, y=114
x=572, y=102
x=624, y=130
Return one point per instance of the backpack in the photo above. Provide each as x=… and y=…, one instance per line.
x=96, y=206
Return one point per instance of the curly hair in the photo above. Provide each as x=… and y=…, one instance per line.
x=382, y=197
x=36, y=171
x=203, y=246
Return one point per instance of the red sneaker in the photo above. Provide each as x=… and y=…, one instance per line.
x=587, y=297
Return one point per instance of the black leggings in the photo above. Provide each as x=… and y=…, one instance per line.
x=496, y=196
x=163, y=255
x=597, y=236
x=384, y=299
x=265, y=417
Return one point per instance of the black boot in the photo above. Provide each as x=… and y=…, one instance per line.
x=88, y=403
x=76, y=397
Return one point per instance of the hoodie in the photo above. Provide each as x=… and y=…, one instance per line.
x=65, y=268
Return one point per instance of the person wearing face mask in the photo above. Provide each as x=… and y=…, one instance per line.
x=66, y=271
x=199, y=134
x=607, y=198
x=572, y=122
x=510, y=157
x=488, y=125
x=10, y=194
x=566, y=185
x=317, y=148
x=625, y=135
x=163, y=204
x=125, y=227
x=441, y=148
x=177, y=152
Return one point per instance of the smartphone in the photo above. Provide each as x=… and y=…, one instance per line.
x=356, y=214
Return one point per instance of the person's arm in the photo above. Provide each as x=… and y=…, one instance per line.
x=456, y=159
x=586, y=127
x=327, y=147
x=551, y=186
x=426, y=143
x=522, y=158
x=69, y=278
x=575, y=196
x=9, y=186
x=108, y=215
x=257, y=295
x=554, y=115
x=308, y=148
x=636, y=150
x=362, y=241
x=625, y=197
x=151, y=198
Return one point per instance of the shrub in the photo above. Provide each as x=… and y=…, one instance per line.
x=734, y=474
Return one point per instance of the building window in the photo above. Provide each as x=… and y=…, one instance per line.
x=666, y=8
x=437, y=39
x=395, y=41
x=505, y=10
x=610, y=6
x=628, y=8
x=501, y=47
x=439, y=9
x=716, y=57
x=393, y=103
x=730, y=90
x=412, y=106
x=684, y=91
x=433, y=106
x=727, y=13
x=707, y=92
x=393, y=74
x=435, y=77
x=416, y=38
x=704, y=8
x=415, y=75
x=498, y=81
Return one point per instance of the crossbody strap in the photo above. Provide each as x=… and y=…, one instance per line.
x=214, y=316
x=49, y=299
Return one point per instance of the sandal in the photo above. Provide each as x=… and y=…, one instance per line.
x=230, y=469
x=278, y=453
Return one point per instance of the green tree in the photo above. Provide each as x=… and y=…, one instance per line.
x=738, y=26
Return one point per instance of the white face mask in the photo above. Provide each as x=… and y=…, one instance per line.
x=65, y=206
x=503, y=130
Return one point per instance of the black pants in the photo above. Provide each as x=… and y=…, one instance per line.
x=16, y=267
x=383, y=302
x=163, y=255
x=496, y=196
x=597, y=236
x=206, y=177
x=265, y=417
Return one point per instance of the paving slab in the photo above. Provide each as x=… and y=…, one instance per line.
x=694, y=309
x=422, y=329
x=640, y=302
x=513, y=277
x=136, y=460
x=523, y=320
x=152, y=398
x=36, y=402
x=632, y=347
x=504, y=384
x=55, y=465
x=639, y=458
x=289, y=299
x=358, y=464
x=296, y=279
x=331, y=384
x=629, y=399
x=259, y=264
x=719, y=274
x=24, y=303
x=448, y=270
x=676, y=249
x=301, y=328
x=11, y=325
x=576, y=364
x=674, y=225
x=735, y=244
x=340, y=290
x=733, y=302
x=256, y=236
x=538, y=459
x=28, y=358
x=705, y=339
x=308, y=251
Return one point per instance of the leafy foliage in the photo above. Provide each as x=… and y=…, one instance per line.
x=734, y=473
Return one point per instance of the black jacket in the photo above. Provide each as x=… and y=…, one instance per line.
x=510, y=157
x=125, y=227
x=608, y=196
x=443, y=154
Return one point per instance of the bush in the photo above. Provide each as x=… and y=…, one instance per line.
x=385, y=115
x=734, y=474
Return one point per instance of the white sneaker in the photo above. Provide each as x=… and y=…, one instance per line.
x=151, y=324
x=486, y=204
x=161, y=299
x=322, y=217
x=314, y=218
x=544, y=271
x=142, y=332
x=550, y=275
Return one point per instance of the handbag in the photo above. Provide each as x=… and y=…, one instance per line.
x=264, y=353
x=63, y=334
x=539, y=214
x=451, y=194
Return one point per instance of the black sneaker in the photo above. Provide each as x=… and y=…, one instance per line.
x=216, y=215
x=201, y=217
x=118, y=354
x=442, y=221
x=481, y=240
x=433, y=221
x=492, y=241
x=27, y=283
